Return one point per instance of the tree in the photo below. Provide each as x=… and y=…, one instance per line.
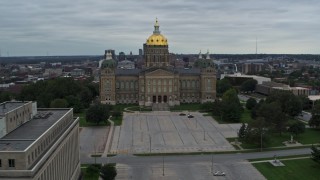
x=230, y=96
x=289, y=103
x=257, y=133
x=305, y=102
x=251, y=103
x=86, y=97
x=297, y=128
x=75, y=103
x=315, y=153
x=249, y=85
x=5, y=96
x=231, y=111
x=207, y=106
x=108, y=172
x=272, y=113
x=315, y=119
x=223, y=85
x=231, y=108
x=217, y=107
x=59, y=103
x=242, y=131
x=97, y=113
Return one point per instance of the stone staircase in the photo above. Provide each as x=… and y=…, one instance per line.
x=160, y=107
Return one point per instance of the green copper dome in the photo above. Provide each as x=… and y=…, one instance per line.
x=108, y=64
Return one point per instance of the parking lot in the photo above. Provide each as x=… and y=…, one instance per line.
x=166, y=132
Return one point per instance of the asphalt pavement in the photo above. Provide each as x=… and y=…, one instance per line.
x=190, y=167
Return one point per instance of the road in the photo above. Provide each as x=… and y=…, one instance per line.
x=190, y=166
x=305, y=116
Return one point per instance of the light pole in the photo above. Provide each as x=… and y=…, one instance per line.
x=261, y=140
x=204, y=135
x=150, y=142
x=162, y=165
x=212, y=163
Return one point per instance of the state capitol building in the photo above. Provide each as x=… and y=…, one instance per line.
x=158, y=81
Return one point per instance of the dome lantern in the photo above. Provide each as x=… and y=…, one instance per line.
x=156, y=38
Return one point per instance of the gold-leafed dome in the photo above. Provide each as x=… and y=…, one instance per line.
x=156, y=38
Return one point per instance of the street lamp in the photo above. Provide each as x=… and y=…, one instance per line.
x=212, y=163
x=150, y=142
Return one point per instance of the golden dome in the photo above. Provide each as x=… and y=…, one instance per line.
x=156, y=38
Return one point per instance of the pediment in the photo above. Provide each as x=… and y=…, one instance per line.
x=160, y=72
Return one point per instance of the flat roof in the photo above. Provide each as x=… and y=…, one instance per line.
x=314, y=97
x=9, y=106
x=22, y=137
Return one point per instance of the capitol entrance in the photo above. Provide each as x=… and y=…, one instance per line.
x=160, y=99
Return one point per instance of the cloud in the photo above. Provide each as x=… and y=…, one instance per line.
x=61, y=27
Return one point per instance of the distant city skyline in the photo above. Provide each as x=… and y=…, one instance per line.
x=40, y=28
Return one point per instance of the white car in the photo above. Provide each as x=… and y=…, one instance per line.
x=219, y=173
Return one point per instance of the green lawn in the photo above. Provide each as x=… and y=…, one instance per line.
x=138, y=108
x=121, y=107
x=294, y=170
x=187, y=107
x=88, y=175
x=84, y=123
x=310, y=136
x=117, y=120
x=246, y=116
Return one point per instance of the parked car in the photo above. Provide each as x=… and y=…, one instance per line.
x=219, y=173
x=182, y=114
x=190, y=116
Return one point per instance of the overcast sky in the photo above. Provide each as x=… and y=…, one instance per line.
x=88, y=27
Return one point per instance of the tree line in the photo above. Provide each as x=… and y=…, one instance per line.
x=57, y=93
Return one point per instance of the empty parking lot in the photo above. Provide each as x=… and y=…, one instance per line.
x=166, y=132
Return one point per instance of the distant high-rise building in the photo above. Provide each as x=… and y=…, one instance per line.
x=40, y=144
x=251, y=68
x=140, y=52
x=122, y=56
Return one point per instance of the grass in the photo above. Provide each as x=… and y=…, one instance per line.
x=310, y=136
x=87, y=175
x=117, y=120
x=280, y=157
x=294, y=170
x=246, y=116
x=187, y=107
x=121, y=107
x=96, y=155
x=84, y=123
x=138, y=108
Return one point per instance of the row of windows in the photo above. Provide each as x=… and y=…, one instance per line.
x=127, y=85
x=65, y=161
x=11, y=163
x=160, y=81
x=19, y=115
x=160, y=89
x=189, y=84
x=44, y=144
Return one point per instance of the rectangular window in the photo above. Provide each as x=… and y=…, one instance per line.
x=0, y=163
x=11, y=163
